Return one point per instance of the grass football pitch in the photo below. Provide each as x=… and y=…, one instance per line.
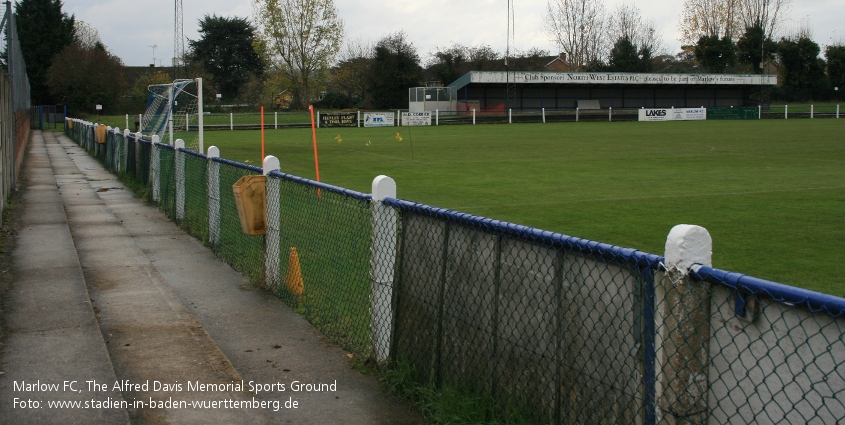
x=771, y=193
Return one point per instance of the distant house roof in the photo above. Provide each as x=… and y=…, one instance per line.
x=558, y=64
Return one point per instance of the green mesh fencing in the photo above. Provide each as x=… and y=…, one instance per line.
x=326, y=234
x=244, y=253
x=771, y=353
x=195, y=221
x=167, y=180
x=550, y=327
x=555, y=329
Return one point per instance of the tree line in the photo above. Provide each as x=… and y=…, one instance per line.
x=293, y=53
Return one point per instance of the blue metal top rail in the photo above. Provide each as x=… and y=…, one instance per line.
x=814, y=301
x=253, y=168
x=585, y=246
x=319, y=185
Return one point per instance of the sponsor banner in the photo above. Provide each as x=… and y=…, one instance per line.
x=676, y=114
x=416, y=118
x=379, y=119
x=339, y=119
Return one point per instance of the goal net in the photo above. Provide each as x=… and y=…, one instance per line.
x=174, y=111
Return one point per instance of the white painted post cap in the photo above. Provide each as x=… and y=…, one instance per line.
x=688, y=244
x=383, y=187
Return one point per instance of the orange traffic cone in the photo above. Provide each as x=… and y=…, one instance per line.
x=293, y=281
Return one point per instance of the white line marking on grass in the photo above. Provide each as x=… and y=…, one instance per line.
x=631, y=198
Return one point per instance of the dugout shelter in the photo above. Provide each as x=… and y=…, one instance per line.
x=487, y=91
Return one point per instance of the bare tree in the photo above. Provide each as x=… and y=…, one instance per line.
x=626, y=21
x=300, y=38
x=712, y=18
x=579, y=27
x=767, y=14
x=86, y=35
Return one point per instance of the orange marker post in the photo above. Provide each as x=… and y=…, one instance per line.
x=314, y=139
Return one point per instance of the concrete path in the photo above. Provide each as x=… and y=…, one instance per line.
x=107, y=289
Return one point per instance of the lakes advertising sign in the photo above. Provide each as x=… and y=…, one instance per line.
x=379, y=119
x=673, y=114
x=416, y=118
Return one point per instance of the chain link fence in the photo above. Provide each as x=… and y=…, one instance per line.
x=555, y=329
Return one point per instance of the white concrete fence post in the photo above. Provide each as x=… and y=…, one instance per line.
x=544, y=115
x=275, y=120
x=155, y=164
x=272, y=239
x=577, y=113
x=473, y=116
x=231, y=121
x=811, y=111
x=786, y=112
x=138, y=137
x=437, y=116
x=121, y=162
x=610, y=114
x=682, y=325
x=114, y=158
x=213, y=196
x=179, y=165
x=510, y=116
x=383, y=264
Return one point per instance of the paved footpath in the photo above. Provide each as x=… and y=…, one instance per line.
x=109, y=293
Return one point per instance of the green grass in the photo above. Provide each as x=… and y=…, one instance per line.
x=771, y=193
x=446, y=404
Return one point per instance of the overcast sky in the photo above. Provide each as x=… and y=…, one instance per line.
x=129, y=27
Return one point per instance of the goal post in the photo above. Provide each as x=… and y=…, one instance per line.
x=175, y=111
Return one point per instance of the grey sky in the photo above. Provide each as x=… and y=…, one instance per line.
x=129, y=27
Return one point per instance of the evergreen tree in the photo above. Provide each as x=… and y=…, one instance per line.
x=751, y=49
x=715, y=54
x=395, y=69
x=225, y=51
x=44, y=30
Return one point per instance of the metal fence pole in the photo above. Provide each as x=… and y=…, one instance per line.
x=231, y=121
x=811, y=111
x=683, y=323
x=275, y=120
x=610, y=114
x=272, y=239
x=383, y=264
x=213, y=196
x=473, y=116
x=179, y=160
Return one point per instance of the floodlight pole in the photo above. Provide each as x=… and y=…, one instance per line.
x=170, y=112
x=200, y=113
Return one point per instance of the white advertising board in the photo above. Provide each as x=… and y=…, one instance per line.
x=416, y=118
x=379, y=119
x=673, y=114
